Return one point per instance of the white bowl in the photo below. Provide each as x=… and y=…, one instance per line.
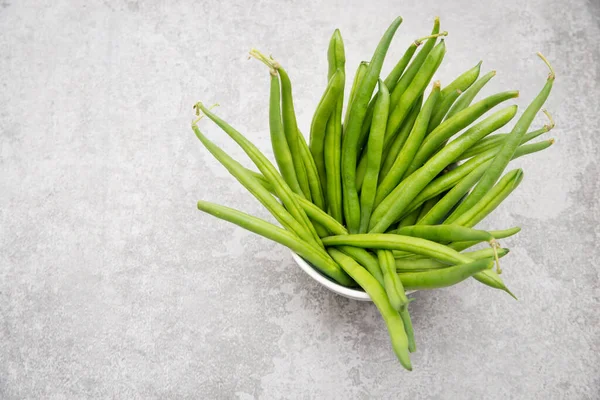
x=355, y=294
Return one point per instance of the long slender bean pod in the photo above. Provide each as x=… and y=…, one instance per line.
x=369, y=188
x=366, y=259
x=444, y=233
x=463, y=81
x=444, y=277
x=358, y=76
x=357, y=114
x=408, y=327
x=333, y=137
x=279, y=235
x=503, y=234
x=415, y=264
x=377, y=293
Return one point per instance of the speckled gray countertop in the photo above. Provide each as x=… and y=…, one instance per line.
x=113, y=285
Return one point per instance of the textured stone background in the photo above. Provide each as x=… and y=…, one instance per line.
x=113, y=285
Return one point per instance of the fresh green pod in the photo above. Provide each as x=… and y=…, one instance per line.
x=445, y=233
x=358, y=76
x=281, y=150
x=495, y=141
x=408, y=327
x=503, y=234
x=436, y=279
x=367, y=194
x=377, y=293
x=333, y=137
x=416, y=264
x=351, y=201
x=324, y=264
x=463, y=82
x=509, y=146
x=325, y=110
x=467, y=97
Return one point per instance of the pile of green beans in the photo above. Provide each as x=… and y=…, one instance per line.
x=385, y=195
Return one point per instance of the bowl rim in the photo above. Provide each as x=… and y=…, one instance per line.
x=356, y=294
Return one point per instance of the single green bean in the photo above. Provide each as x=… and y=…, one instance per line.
x=420, y=263
x=367, y=194
x=444, y=233
x=290, y=128
x=358, y=76
x=333, y=137
x=453, y=125
x=408, y=327
x=377, y=293
x=396, y=202
x=444, y=277
x=416, y=136
x=496, y=141
x=324, y=264
x=463, y=82
x=314, y=182
x=467, y=97
x=366, y=259
x=283, y=191
x=357, y=114
x=324, y=111
x=503, y=234
x=509, y=146
x=281, y=150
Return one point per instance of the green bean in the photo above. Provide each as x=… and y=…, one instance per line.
x=416, y=87
x=416, y=264
x=444, y=277
x=417, y=134
x=509, y=146
x=393, y=286
x=489, y=201
x=446, y=181
x=415, y=65
x=357, y=115
x=387, y=241
x=324, y=264
x=290, y=128
x=377, y=293
x=495, y=141
x=467, y=97
x=318, y=126
x=453, y=125
x=444, y=233
x=408, y=327
x=463, y=82
x=393, y=78
x=366, y=259
x=445, y=205
x=254, y=187
x=460, y=246
x=358, y=76
x=367, y=195
x=396, y=202
x=316, y=215
x=281, y=150
x=441, y=109
x=283, y=191
x=314, y=182
x=333, y=136
x=400, y=139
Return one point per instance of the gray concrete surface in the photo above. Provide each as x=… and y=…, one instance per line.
x=113, y=285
